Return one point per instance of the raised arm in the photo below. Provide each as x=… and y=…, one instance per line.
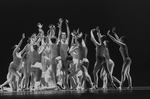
x=72, y=40
x=85, y=37
x=18, y=46
x=68, y=31
x=93, y=38
x=73, y=48
x=114, y=39
x=49, y=39
x=59, y=26
x=100, y=36
x=83, y=43
x=42, y=49
x=23, y=49
x=113, y=30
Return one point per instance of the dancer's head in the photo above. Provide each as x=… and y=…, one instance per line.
x=15, y=46
x=106, y=43
x=79, y=40
x=69, y=59
x=54, y=40
x=35, y=47
x=63, y=36
x=123, y=39
x=52, y=29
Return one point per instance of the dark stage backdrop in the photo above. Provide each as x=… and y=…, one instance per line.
x=130, y=17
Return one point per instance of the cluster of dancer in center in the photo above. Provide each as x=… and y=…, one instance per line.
x=59, y=63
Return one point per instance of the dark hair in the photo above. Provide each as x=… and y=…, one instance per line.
x=124, y=39
x=79, y=39
x=107, y=42
x=53, y=39
x=35, y=47
x=69, y=58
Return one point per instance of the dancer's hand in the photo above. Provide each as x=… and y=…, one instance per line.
x=60, y=23
x=23, y=35
x=60, y=20
x=93, y=30
x=86, y=35
x=113, y=29
x=67, y=21
x=108, y=32
x=39, y=25
x=97, y=28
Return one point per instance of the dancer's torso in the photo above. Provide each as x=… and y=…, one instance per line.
x=100, y=51
x=17, y=59
x=63, y=50
x=124, y=52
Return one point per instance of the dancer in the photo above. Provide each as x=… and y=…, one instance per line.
x=64, y=47
x=100, y=59
x=15, y=65
x=51, y=30
x=85, y=64
x=126, y=59
x=37, y=58
x=72, y=70
x=79, y=69
x=110, y=66
x=11, y=79
x=54, y=53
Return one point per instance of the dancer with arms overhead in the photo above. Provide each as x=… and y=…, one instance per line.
x=126, y=59
x=100, y=58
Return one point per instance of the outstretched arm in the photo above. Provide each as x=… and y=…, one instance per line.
x=42, y=49
x=99, y=37
x=85, y=37
x=93, y=38
x=18, y=46
x=113, y=30
x=23, y=49
x=73, y=48
x=59, y=26
x=49, y=39
x=83, y=43
x=115, y=40
x=72, y=40
x=68, y=31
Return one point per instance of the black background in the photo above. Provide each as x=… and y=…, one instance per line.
x=130, y=17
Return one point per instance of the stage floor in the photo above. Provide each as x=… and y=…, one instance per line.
x=136, y=93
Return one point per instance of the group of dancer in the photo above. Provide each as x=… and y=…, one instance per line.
x=59, y=63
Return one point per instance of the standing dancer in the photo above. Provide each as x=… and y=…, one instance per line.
x=85, y=64
x=54, y=53
x=27, y=64
x=126, y=59
x=64, y=47
x=11, y=78
x=110, y=66
x=100, y=59
x=80, y=56
x=15, y=65
x=37, y=66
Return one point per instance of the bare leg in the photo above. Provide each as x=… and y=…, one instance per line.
x=8, y=81
x=129, y=77
x=25, y=79
x=72, y=81
x=108, y=74
x=105, y=82
x=116, y=80
x=125, y=70
x=95, y=72
x=18, y=78
x=87, y=76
